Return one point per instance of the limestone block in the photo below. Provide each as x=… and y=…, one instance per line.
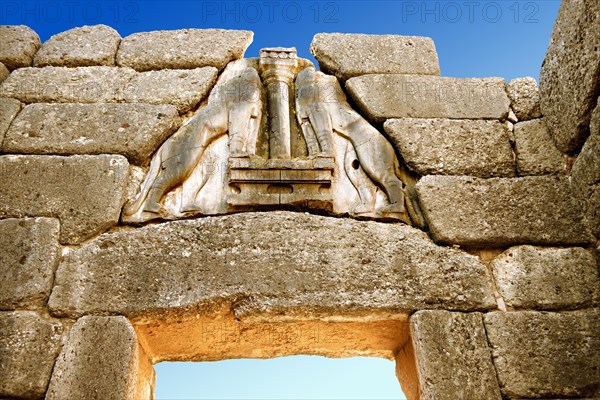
x=535, y=150
x=28, y=259
x=99, y=361
x=182, y=88
x=300, y=264
x=133, y=130
x=547, y=278
x=29, y=346
x=348, y=55
x=9, y=108
x=570, y=75
x=592, y=211
x=183, y=49
x=4, y=72
x=85, y=192
x=524, y=95
x=546, y=354
x=502, y=211
x=595, y=120
x=453, y=147
x=399, y=96
x=453, y=358
x=64, y=85
x=80, y=47
x=586, y=169
x=586, y=174
x=18, y=46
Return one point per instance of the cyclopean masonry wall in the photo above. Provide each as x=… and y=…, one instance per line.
x=481, y=279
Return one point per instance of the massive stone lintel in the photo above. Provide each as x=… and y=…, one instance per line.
x=272, y=265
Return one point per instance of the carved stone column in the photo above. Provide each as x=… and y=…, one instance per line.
x=278, y=67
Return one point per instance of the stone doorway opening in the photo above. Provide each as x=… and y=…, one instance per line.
x=218, y=336
x=294, y=377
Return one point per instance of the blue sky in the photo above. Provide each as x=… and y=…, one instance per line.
x=473, y=39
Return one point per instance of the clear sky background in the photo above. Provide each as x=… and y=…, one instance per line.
x=474, y=38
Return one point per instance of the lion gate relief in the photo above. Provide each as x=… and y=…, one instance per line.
x=274, y=134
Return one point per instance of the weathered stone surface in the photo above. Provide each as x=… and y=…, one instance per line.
x=595, y=120
x=182, y=88
x=547, y=278
x=348, y=55
x=586, y=174
x=535, y=150
x=592, y=211
x=453, y=147
x=524, y=96
x=586, y=169
x=28, y=347
x=570, y=75
x=28, y=259
x=502, y=211
x=9, y=108
x=80, y=47
x=453, y=357
x=133, y=130
x=295, y=264
x=400, y=96
x=18, y=45
x=4, y=72
x=546, y=354
x=186, y=48
x=85, y=192
x=99, y=361
x=64, y=85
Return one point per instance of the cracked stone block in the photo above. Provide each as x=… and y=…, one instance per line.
x=133, y=130
x=9, y=108
x=348, y=55
x=100, y=360
x=541, y=278
x=18, y=46
x=570, y=74
x=535, y=150
x=412, y=96
x=453, y=357
x=453, y=147
x=29, y=259
x=502, y=211
x=29, y=345
x=84, y=192
x=80, y=47
x=183, y=49
x=544, y=354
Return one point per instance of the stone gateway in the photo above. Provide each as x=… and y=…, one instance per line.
x=164, y=198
